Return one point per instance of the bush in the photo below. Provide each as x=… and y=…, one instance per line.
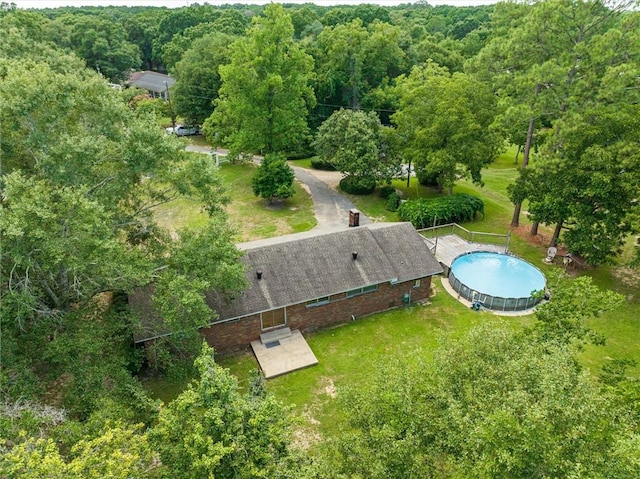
x=393, y=202
x=446, y=209
x=427, y=179
x=358, y=185
x=386, y=191
x=321, y=164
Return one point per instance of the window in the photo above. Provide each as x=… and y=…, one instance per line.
x=416, y=284
x=273, y=318
x=318, y=302
x=366, y=289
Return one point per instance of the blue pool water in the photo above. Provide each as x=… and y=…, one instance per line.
x=500, y=281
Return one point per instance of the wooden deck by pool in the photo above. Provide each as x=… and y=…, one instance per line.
x=448, y=247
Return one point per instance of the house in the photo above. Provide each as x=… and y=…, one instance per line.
x=157, y=84
x=309, y=281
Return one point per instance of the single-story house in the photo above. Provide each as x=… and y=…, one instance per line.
x=157, y=84
x=310, y=280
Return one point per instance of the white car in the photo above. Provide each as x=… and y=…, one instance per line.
x=184, y=130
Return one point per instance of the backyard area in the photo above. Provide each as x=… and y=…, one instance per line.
x=350, y=354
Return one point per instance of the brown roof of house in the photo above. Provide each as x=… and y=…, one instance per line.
x=300, y=268
x=152, y=81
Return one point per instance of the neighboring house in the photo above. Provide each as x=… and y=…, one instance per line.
x=157, y=84
x=308, y=281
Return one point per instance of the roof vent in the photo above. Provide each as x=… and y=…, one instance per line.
x=259, y=274
x=354, y=255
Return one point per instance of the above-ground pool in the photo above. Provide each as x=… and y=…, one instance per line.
x=497, y=281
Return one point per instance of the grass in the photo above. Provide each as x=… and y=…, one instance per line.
x=416, y=331
x=250, y=216
x=405, y=334
x=253, y=218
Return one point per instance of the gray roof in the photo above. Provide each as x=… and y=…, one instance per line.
x=303, y=267
x=299, y=270
x=152, y=81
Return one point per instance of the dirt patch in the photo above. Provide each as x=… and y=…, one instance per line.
x=628, y=276
x=306, y=435
x=328, y=387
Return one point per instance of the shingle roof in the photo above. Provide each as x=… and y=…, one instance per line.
x=300, y=268
x=151, y=81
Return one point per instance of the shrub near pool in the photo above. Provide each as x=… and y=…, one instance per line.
x=446, y=209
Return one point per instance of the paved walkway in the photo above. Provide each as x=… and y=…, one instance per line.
x=330, y=207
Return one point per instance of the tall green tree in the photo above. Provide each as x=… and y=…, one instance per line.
x=120, y=451
x=266, y=94
x=547, y=61
x=447, y=121
x=354, y=142
x=81, y=173
x=354, y=60
x=197, y=77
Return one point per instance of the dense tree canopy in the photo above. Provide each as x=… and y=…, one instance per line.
x=494, y=404
x=81, y=174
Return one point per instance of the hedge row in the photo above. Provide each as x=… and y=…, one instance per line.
x=318, y=163
x=358, y=185
x=446, y=209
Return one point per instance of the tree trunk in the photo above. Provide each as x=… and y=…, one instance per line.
x=518, y=154
x=409, y=174
x=534, y=228
x=556, y=234
x=515, y=221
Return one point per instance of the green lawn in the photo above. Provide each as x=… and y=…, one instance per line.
x=349, y=354
x=250, y=216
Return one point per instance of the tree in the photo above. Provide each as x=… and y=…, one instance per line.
x=564, y=319
x=102, y=43
x=354, y=60
x=447, y=121
x=591, y=188
x=354, y=143
x=494, y=404
x=120, y=451
x=212, y=430
x=197, y=77
x=550, y=61
x=81, y=175
x=273, y=179
x=265, y=93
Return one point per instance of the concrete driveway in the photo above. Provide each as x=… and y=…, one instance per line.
x=331, y=208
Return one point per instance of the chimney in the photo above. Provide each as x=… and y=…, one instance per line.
x=354, y=255
x=354, y=217
x=259, y=274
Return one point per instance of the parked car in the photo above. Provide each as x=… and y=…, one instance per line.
x=184, y=130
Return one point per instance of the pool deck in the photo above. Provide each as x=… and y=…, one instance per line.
x=449, y=247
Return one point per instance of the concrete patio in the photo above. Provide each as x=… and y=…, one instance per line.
x=282, y=351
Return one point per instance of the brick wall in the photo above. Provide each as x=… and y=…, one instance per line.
x=229, y=336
